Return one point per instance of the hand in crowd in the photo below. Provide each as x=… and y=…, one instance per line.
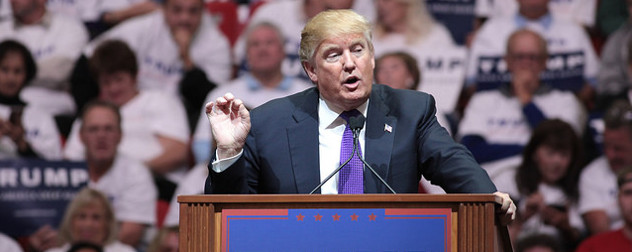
x=555, y=217
x=507, y=209
x=524, y=84
x=15, y=132
x=44, y=238
x=183, y=38
x=534, y=204
x=230, y=124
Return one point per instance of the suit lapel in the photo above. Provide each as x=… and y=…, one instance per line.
x=380, y=134
x=303, y=143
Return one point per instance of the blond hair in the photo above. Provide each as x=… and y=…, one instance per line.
x=88, y=197
x=330, y=24
x=419, y=22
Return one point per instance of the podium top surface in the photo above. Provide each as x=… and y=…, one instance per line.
x=304, y=198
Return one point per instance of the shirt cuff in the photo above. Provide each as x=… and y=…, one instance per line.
x=223, y=164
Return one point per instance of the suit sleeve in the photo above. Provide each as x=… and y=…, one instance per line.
x=239, y=178
x=446, y=163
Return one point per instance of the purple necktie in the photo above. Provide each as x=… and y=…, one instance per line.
x=350, y=180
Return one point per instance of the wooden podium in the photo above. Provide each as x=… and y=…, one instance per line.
x=473, y=224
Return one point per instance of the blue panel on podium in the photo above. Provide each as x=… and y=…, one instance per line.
x=408, y=229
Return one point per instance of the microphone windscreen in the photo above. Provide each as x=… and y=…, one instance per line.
x=356, y=122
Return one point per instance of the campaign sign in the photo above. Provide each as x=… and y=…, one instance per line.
x=410, y=229
x=34, y=193
x=442, y=75
x=564, y=71
x=456, y=15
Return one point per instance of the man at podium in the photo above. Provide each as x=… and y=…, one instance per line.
x=292, y=144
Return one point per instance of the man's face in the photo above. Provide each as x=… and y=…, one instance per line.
x=24, y=7
x=101, y=134
x=525, y=54
x=342, y=69
x=617, y=146
x=118, y=87
x=625, y=201
x=264, y=50
x=183, y=14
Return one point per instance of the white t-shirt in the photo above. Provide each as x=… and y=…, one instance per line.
x=5, y=9
x=252, y=94
x=55, y=43
x=552, y=195
x=160, y=67
x=193, y=183
x=7, y=244
x=40, y=132
x=441, y=63
x=572, y=59
x=148, y=115
x=131, y=190
x=598, y=191
x=499, y=119
x=579, y=11
x=115, y=246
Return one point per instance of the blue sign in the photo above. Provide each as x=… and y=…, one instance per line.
x=456, y=15
x=34, y=193
x=564, y=71
x=336, y=230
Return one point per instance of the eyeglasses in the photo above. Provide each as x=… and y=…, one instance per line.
x=526, y=56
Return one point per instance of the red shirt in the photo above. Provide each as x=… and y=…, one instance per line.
x=615, y=241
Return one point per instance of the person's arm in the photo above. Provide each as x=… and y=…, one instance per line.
x=131, y=233
x=117, y=16
x=484, y=151
x=174, y=154
x=597, y=221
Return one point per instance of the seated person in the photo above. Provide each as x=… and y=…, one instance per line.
x=619, y=239
x=546, y=182
x=597, y=183
x=90, y=218
x=126, y=182
x=154, y=124
x=56, y=42
x=263, y=82
x=497, y=124
x=25, y=130
x=572, y=61
x=167, y=240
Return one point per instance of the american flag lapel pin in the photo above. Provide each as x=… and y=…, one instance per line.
x=388, y=128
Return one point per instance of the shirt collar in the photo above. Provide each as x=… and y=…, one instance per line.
x=545, y=21
x=254, y=85
x=329, y=116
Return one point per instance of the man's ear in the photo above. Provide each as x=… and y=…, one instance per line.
x=311, y=71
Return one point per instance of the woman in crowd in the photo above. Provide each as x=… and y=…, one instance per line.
x=89, y=218
x=547, y=184
x=24, y=131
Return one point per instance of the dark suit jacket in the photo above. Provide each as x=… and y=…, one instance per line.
x=281, y=151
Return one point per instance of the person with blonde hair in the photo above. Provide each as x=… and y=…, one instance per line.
x=291, y=144
x=90, y=218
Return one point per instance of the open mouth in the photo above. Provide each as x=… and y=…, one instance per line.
x=351, y=80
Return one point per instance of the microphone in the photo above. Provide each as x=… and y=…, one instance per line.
x=356, y=123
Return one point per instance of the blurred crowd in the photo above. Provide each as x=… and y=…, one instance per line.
x=540, y=91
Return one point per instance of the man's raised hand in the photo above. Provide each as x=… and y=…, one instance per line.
x=230, y=124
